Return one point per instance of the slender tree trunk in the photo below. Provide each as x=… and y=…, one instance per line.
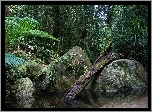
x=7, y=11
x=56, y=21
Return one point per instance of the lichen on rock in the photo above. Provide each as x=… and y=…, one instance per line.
x=23, y=88
x=61, y=73
x=122, y=74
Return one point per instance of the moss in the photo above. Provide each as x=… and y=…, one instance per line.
x=122, y=73
x=20, y=71
x=23, y=87
x=61, y=73
x=47, y=78
x=33, y=69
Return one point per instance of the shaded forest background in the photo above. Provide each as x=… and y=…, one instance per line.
x=88, y=26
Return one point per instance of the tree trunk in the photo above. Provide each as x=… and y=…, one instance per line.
x=56, y=21
x=84, y=80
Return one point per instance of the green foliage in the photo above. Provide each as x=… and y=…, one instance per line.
x=38, y=33
x=18, y=29
x=13, y=61
x=15, y=67
x=15, y=27
x=131, y=32
x=19, y=72
x=33, y=68
x=26, y=31
x=44, y=47
x=46, y=79
x=90, y=27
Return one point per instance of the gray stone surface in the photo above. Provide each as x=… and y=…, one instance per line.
x=23, y=88
x=62, y=72
x=122, y=74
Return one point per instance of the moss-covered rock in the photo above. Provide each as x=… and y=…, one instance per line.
x=77, y=65
x=14, y=75
x=30, y=69
x=21, y=91
x=33, y=68
x=62, y=72
x=22, y=88
x=122, y=74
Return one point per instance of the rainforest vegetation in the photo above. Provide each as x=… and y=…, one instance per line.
x=51, y=30
x=44, y=35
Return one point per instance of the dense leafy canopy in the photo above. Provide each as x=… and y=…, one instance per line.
x=88, y=26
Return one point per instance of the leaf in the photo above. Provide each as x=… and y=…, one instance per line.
x=16, y=26
x=38, y=33
x=13, y=61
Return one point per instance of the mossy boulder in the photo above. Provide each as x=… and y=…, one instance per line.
x=23, y=88
x=122, y=74
x=77, y=65
x=62, y=72
x=33, y=68
x=22, y=92
x=20, y=75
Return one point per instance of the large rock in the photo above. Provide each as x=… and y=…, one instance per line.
x=33, y=68
x=62, y=73
x=122, y=74
x=78, y=64
x=23, y=88
x=29, y=69
x=20, y=94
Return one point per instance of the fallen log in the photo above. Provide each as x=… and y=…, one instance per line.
x=83, y=81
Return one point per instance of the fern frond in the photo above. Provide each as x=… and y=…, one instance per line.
x=13, y=61
x=38, y=33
